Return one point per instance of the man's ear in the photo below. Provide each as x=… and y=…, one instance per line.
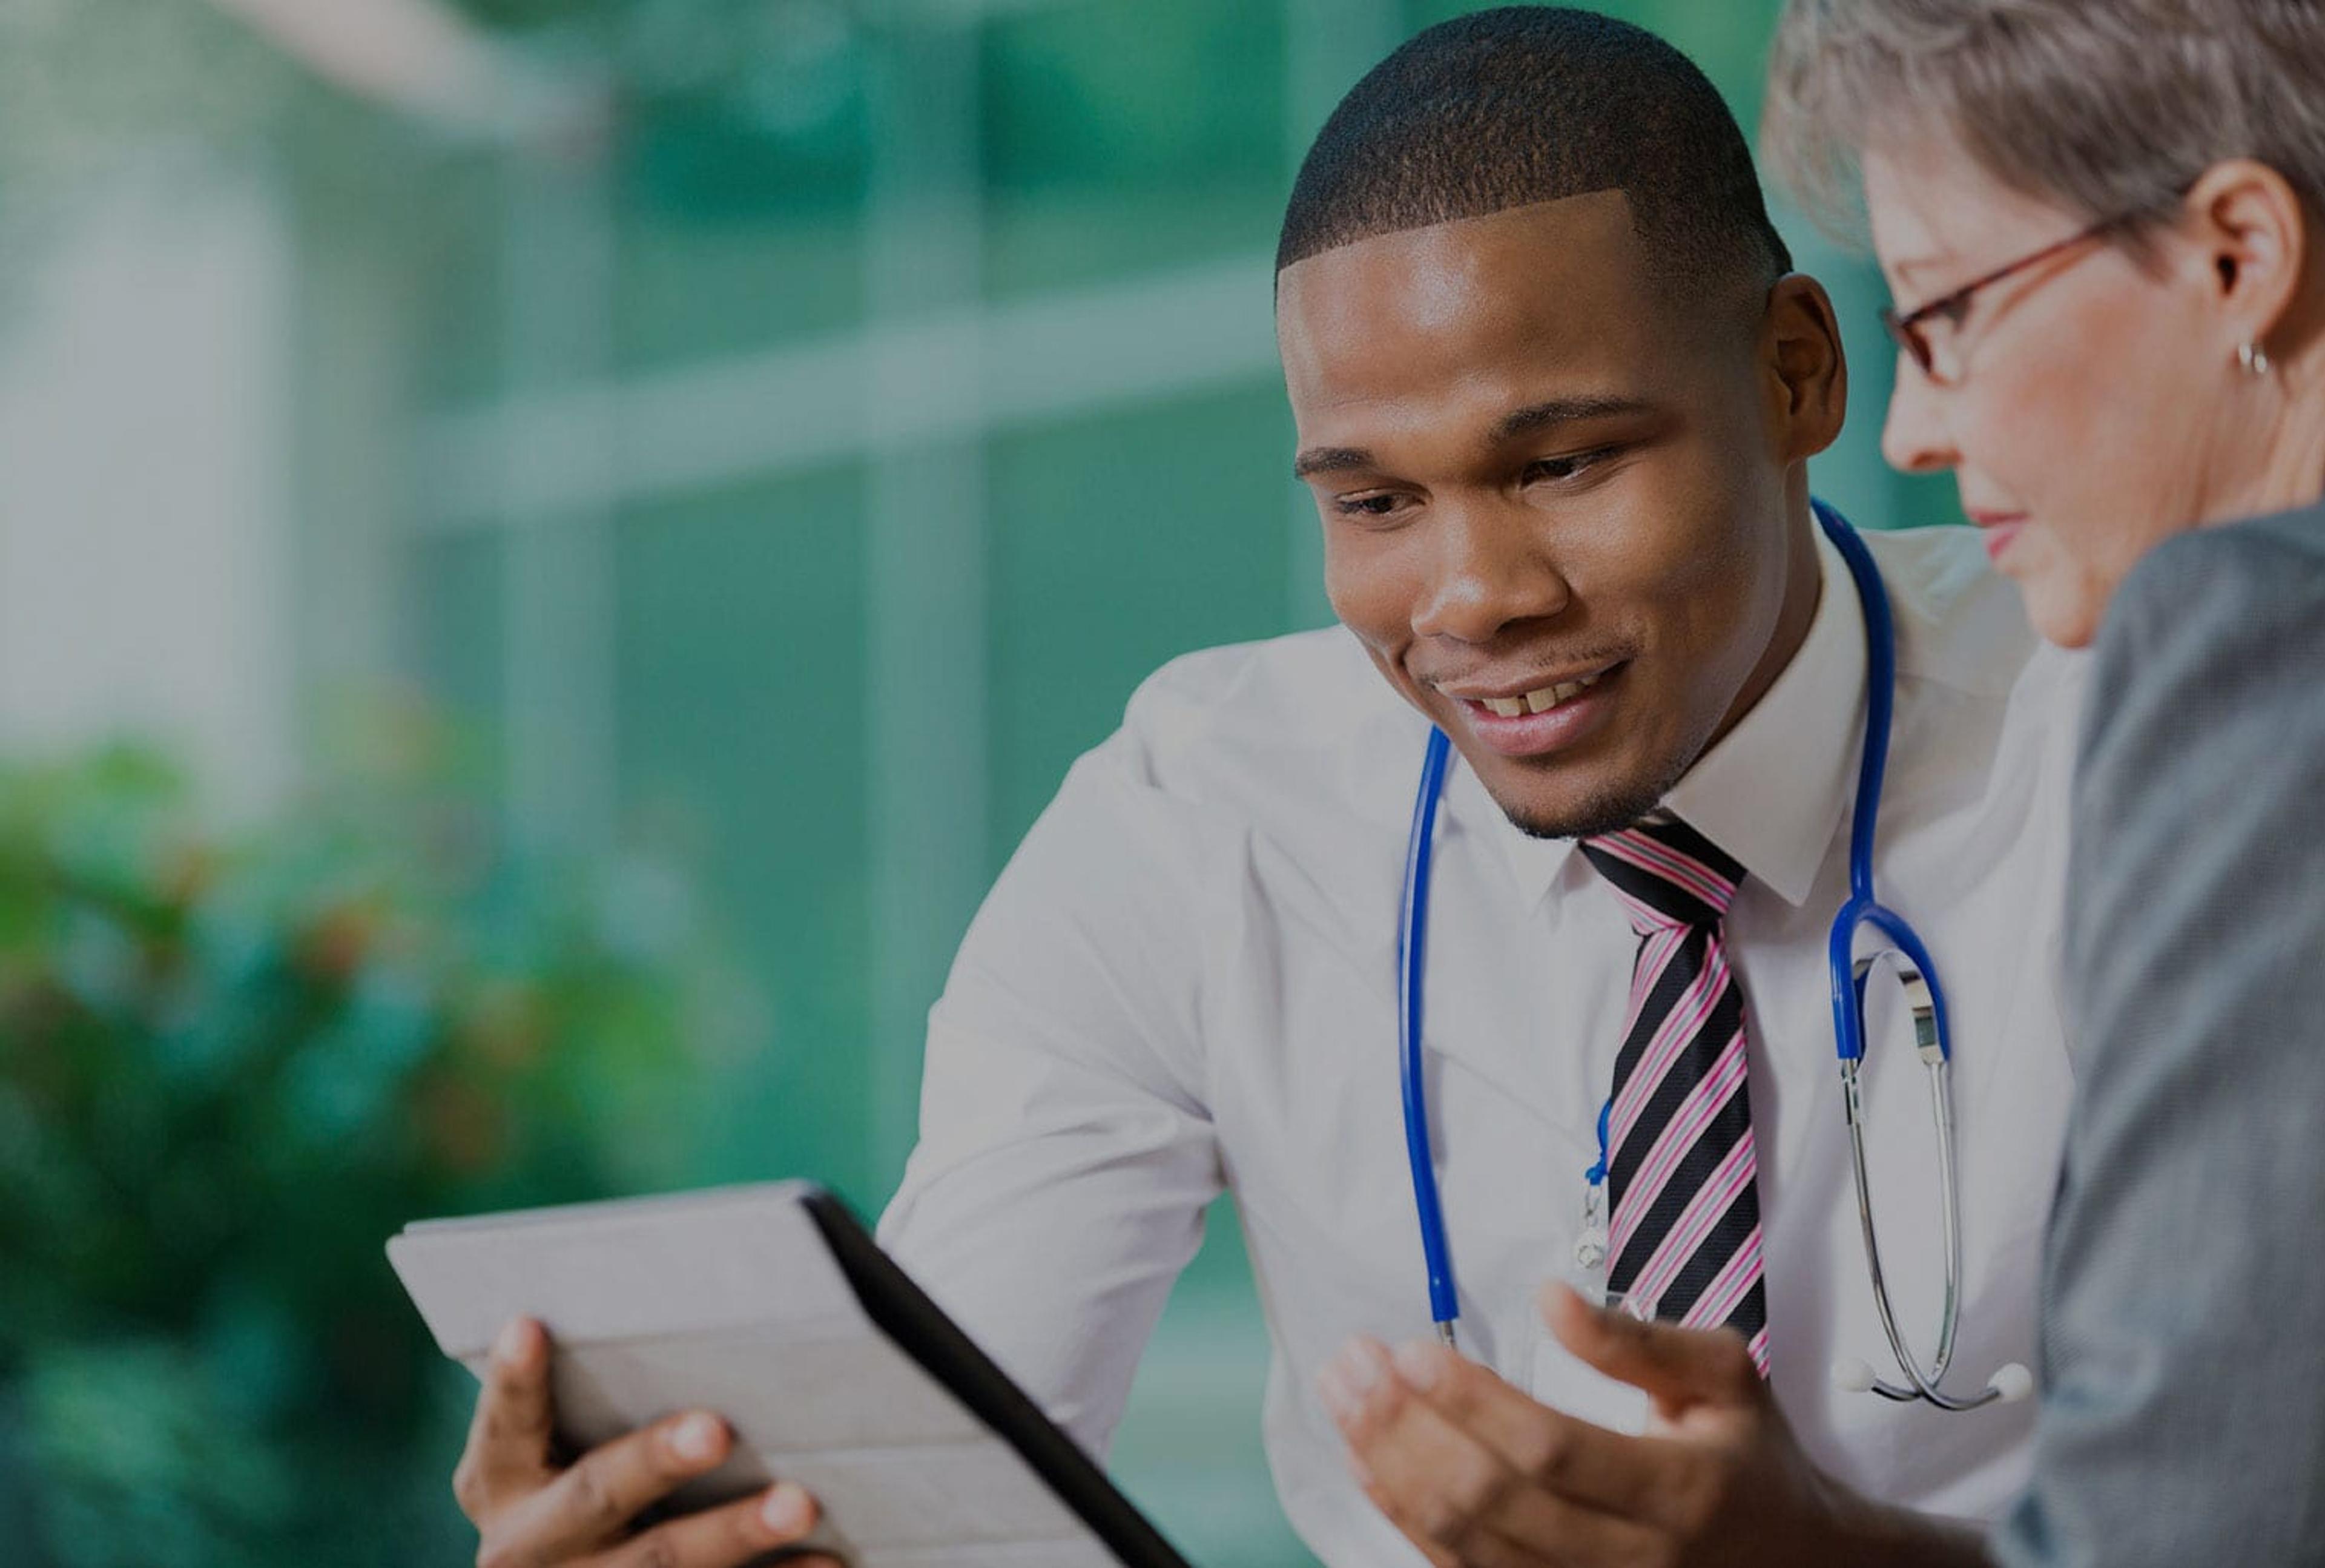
x=1806, y=372
x=2254, y=236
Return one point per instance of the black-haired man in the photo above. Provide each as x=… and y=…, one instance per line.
x=1555, y=392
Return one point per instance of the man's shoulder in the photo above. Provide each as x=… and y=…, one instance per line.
x=1986, y=711
x=1960, y=623
x=1285, y=717
x=1240, y=677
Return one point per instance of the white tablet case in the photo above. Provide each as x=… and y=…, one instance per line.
x=730, y=1300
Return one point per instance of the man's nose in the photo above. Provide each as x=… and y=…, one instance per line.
x=1913, y=437
x=1490, y=572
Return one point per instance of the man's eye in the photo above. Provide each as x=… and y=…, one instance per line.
x=1374, y=506
x=1565, y=467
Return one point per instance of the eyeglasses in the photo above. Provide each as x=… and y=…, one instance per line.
x=1937, y=352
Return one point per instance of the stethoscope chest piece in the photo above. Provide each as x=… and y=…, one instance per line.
x=1591, y=1241
x=1591, y=1245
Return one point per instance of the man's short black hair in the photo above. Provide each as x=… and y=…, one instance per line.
x=1526, y=104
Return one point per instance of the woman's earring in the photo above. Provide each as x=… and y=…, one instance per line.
x=2253, y=357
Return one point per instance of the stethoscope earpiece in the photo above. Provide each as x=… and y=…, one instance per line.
x=2010, y=1384
x=1852, y=1376
x=2013, y=1383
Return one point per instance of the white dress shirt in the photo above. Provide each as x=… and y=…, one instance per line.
x=1186, y=978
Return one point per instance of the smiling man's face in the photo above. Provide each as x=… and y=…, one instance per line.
x=1564, y=505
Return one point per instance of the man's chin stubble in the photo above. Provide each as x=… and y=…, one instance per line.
x=1606, y=812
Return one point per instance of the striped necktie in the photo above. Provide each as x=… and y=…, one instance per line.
x=1683, y=1236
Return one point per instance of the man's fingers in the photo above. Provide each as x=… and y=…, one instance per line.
x=507, y=1449
x=725, y=1537
x=1472, y=1510
x=1679, y=1368
x=1568, y=1458
x=1444, y=1484
x=592, y=1503
x=1482, y=1549
x=1431, y=1483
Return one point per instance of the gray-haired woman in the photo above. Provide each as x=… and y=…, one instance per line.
x=2099, y=220
x=2103, y=222
x=2103, y=226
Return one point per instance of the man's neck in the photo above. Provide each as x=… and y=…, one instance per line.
x=1803, y=587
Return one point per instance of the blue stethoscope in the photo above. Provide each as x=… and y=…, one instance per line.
x=1903, y=954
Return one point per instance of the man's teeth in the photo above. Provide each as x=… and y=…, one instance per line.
x=1540, y=701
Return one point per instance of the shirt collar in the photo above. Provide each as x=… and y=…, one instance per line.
x=1772, y=791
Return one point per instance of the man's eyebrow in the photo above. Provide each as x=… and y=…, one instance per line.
x=1521, y=421
x=1330, y=460
x=1558, y=411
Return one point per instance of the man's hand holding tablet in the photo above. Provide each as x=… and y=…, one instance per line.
x=529, y=1509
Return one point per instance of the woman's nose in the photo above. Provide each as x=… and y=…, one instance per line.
x=1490, y=572
x=1913, y=437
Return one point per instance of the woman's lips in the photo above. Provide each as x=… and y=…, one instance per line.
x=1996, y=530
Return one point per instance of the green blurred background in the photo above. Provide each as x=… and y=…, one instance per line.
x=549, y=550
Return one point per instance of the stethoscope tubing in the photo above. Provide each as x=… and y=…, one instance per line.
x=1411, y=956
x=1861, y=909
x=1872, y=771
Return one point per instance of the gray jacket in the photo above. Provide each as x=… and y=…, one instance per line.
x=2183, y=1313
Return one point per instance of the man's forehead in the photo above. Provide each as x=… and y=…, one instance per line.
x=1598, y=223
x=1507, y=297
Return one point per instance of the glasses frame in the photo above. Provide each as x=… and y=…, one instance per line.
x=1954, y=304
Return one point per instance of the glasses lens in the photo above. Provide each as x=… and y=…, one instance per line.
x=1910, y=337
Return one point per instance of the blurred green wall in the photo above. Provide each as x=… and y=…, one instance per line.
x=801, y=477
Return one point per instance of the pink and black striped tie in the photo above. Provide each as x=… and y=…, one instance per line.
x=1683, y=1222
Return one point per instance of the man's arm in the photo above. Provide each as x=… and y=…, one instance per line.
x=2184, y=1401
x=1065, y=1163
x=1067, y=1154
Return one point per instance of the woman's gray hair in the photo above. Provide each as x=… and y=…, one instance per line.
x=2112, y=107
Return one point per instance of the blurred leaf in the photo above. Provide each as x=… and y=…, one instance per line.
x=231, y=1065
x=142, y=1464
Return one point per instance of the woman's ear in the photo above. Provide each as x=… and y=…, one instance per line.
x=2254, y=234
x=1807, y=372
